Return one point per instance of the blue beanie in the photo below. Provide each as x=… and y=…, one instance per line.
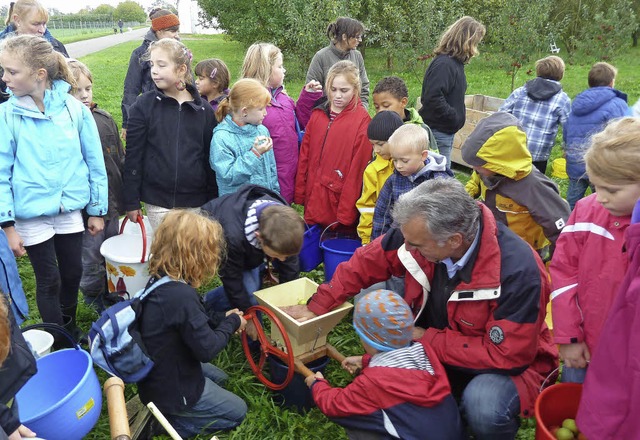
x=383, y=320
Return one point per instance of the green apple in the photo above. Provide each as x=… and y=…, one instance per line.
x=570, y=424
x=564, y=434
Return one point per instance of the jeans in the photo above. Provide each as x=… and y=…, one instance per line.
x=490, y=405
x=57, y=265
x=217, y=409
x=218, y=300
x=576, y=190
x=573, y=375
x=445, y=144
x=93, y=283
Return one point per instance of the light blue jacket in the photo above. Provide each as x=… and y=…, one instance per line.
x=233, y=161
x=50, y=162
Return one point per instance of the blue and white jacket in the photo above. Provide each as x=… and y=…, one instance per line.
x=50, y=162
x=233, y=161
x=590, y=112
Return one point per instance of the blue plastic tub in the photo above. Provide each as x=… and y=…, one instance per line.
x=336, y=251
x=63, y=400
x=311, y=253
x=296, y=395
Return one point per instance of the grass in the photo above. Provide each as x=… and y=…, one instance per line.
x=486, y=75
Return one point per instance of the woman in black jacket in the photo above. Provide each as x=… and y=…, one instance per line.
x=179, y=335
x=445, y=83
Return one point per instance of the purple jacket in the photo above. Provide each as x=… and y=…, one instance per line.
x=280, y=121
x=610, y=401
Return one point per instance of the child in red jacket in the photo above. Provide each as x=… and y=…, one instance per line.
x=402, y=390
x=590, y=259
x=334, y=153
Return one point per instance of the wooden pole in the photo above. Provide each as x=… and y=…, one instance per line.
x=118, y=419
x=163, y=421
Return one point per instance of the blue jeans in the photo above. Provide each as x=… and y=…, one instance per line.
x=218, y=300
x=445, y=144
x=573, y=375
x=217, y=409
x=490, y=405
x=576, y=190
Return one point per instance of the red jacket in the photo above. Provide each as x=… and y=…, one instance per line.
x=610, y=401
x=333, y=157
x=400, y=388
x=586, y=270
x=496, y=321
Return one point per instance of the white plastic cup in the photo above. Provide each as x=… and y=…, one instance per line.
x=39, y=340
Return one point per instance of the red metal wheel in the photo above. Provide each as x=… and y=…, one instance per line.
x=267, y=348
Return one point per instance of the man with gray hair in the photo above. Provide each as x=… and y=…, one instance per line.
x=478, y=293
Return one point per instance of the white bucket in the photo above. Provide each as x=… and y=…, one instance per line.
x=126, y=258
x=39, y=340
x=131, y=228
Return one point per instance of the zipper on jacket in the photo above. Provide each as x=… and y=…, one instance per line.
x=175, y=180
x=324, y=141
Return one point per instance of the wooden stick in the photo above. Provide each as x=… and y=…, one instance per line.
x=335, y=354
x=163, y=421
x=118, y=419
x=302, y=368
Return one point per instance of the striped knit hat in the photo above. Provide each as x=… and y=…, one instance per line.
x=383, y=320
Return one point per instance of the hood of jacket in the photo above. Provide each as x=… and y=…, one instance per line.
x=150, y=36
x=541, y=89
x=436, y=162
x=229, y=126
x=54, y=99
x=593, y=98
x=499, y=144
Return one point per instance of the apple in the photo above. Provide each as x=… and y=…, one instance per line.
x=570, y=424
x=564, y=434
x=581, y=436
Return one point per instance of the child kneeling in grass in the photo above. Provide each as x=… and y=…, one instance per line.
x=180, y=337
x=402, y=390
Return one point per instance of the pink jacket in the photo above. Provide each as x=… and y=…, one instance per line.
x=610, y=402
x=586, y=270
x=280, y=121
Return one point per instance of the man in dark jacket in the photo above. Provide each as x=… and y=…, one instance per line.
x=478, y=294
x=257, y=222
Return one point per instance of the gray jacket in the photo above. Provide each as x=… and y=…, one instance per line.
x=326, y=57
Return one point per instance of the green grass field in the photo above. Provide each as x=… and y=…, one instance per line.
x=265, y=420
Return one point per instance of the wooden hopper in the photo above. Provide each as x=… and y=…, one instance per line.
x=305, y=336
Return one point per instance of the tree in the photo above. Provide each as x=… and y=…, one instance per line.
x=165, y=4
x=105, y=9
x=129, y=11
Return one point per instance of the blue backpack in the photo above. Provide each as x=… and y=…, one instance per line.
x=114, y=339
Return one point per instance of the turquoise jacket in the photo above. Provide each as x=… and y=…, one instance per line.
x=50, y=162
x=233, y=161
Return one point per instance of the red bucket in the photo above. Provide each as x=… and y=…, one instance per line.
x=555, y=404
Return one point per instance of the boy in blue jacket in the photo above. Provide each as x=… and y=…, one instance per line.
x=414, y=164
x=590, y=112
x=401, y=389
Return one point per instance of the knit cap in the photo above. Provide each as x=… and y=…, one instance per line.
x=383, y=125
x=383, y=320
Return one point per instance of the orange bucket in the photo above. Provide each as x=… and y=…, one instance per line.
x=553, y=405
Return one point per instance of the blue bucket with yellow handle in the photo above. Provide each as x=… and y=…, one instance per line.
x=63, y=399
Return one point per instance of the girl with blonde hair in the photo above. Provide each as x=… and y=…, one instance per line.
x=180, y=336
x=445, y=83
x=284, y=118
x=590, y=260
x=168, y=139
x=241, y=147
x=28, y=17
x=51, y=170
x=334, y=153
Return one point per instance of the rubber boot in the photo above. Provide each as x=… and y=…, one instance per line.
x=69, y=318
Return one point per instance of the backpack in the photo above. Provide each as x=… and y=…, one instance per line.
x=114, y=339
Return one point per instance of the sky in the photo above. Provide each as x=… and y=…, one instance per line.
x=67, y=6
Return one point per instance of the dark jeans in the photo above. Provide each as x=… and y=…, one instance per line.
x=576, y=190
x=57, y=264
x=541, y=165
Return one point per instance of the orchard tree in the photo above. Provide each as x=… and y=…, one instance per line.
x=165, y=4
x=521, y=31
x=607, y=29
x=130, y=11
x=104, y=9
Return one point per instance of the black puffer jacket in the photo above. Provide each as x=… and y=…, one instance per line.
x=167, y=161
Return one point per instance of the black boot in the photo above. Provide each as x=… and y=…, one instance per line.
x=69, y=319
